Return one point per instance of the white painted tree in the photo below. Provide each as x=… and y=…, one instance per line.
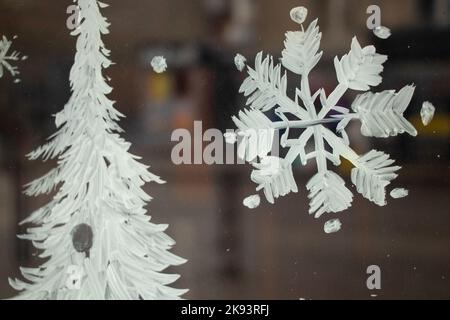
x=381, y=115
x=95, y=236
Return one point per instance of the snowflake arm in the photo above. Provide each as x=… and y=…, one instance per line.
x=372, y=173
x=266, y=88
x=301, y=49
x=257, y=134
x=328, y=193
x=381, y=114
x=274, y=176
x=358, y=70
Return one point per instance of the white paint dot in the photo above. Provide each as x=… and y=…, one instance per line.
x=299, y=14
x=427, y=113
x=382, y=32
x=159, y=64
x=252, y=202
x=230, y=137
x=399, y=193
x=240, y=61
x=332, y=226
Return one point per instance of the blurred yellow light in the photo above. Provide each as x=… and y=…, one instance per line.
x=159, y=86
x=438, y=127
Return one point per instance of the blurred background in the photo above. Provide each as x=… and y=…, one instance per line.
x=273, y=252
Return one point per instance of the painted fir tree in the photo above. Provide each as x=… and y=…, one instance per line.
x=95, y=236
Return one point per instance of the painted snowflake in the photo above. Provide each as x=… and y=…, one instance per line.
x=380, y=114
x=7, y=59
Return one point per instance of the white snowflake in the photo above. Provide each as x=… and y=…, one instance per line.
x=7, y=59
x=381, y=115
